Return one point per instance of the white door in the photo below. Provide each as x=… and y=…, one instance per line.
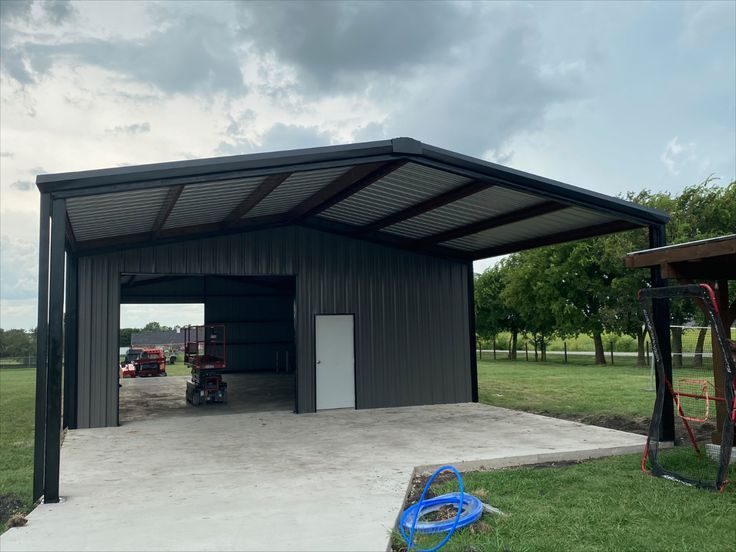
x=335, y=358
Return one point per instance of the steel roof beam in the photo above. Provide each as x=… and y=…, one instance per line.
x=168, y=205
x=518, y=215
x=343, y=187
x=255, y=197
x=209, y=230
x=552, y=239
x=430, y=204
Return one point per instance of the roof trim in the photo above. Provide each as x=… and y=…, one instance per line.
x=198, y=169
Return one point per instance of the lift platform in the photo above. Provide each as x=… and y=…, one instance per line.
x=205, y=352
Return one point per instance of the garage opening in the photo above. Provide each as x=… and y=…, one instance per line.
x=257, y=314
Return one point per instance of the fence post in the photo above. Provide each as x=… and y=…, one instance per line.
x=536, y=354
x=647, y=351
x=565, y=344
x=611, y=353
x=494, y=347
x=526, y=349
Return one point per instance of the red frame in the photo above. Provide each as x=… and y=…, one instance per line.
x=202, y=360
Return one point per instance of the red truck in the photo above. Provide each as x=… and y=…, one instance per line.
x=141, y=363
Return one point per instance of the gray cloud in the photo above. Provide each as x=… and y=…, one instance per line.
x=19, y=261
x=336, y=45
x=463, y=76
x=135, y=128
x=58, y=11
x=279, y=137
x=500, y=88
x=22, y=185
x=189, y=55
x=15, y=10
x=54, y=11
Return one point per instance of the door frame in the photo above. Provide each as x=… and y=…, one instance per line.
x=314, y=355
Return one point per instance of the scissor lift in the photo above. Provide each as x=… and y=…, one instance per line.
x=205, y=351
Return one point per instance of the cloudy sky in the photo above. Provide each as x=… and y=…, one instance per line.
x=608, y=96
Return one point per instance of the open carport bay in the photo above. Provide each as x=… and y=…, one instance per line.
x=334, y=480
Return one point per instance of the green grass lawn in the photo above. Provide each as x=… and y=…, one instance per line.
x=576, y=390
x=606, y=504
x=17, y=395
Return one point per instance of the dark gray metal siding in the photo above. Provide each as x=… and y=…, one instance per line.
x=411, y=312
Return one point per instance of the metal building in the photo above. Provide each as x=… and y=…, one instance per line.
x=369, y=242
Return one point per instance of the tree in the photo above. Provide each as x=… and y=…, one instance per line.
x=489, y=309
x=17, y=343
x=531, y=295
x=155, y=327
x=125, y=336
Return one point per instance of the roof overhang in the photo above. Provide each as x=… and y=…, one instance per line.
x=710, y=259
x=401, y=193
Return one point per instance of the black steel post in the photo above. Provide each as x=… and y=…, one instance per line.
x=70, y=344
x=661, y=321
x=41, y=347
x=55, y=351
x=471, y=329
x=565, y=344
x=611, y=353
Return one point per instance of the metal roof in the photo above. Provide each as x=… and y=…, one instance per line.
x=399, y=192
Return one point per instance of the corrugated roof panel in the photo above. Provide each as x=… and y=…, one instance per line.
x=402, y=188
x=295, y=189
x=483, y=205
x=210, y=201
x=118, y=214
x=568, y=219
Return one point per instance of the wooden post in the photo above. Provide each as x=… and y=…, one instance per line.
x=721, y=291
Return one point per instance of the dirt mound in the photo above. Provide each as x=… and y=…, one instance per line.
x=9, y=505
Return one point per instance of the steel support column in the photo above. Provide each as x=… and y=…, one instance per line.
x=661, y=321
x=471, y=331
x=55, y=351
x=70, y=344
x=41, y=347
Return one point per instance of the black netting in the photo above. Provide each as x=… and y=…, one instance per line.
x=701, y=387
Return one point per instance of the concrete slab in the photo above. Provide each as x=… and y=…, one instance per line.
x=147, y=398
x=333, y=480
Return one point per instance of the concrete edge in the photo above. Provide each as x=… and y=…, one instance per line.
x=518, y=462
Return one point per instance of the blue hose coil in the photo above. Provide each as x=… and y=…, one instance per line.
x=470, y=512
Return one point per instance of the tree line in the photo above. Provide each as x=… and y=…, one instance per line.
x=22, y=343
x=583, y=287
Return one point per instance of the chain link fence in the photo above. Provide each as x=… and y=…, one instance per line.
x=18, y=362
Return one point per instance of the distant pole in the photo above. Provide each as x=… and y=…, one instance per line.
x=494, y=347
x=526, y=348
x=647, y=351
x=565, y=343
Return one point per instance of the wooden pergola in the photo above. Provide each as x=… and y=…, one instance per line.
x=711, y=261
